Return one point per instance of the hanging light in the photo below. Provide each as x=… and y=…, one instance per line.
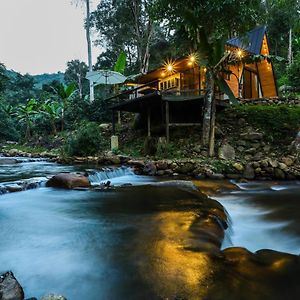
x=169, y=67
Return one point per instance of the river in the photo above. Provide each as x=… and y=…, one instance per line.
x=132, y=242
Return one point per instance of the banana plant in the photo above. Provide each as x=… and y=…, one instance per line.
x=65, y=93
x=52, y=109
x=26, y=114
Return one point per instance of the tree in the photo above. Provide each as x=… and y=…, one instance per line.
x=25, y=113
x=65, y=93
x=126, y=25
x=52, y=109
x=76, y=73
x=3, y=77
x=206, y=25
x=89, y=42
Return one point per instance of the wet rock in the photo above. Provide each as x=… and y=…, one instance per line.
x=8, y=161
x=185, y=168
x=150, y=169
x=282, y=166
x=162, y=165
x=68, y=181
x=252, y=136
x=53, y=297
x=216, y=176
x=10, y=289
x=12, y=188
x=273, y=163
x=288, y=161
x=226, y=152
x=136, y=163
x=249, y=172
x=279, y=174
x=258, y=156
x=239, y=167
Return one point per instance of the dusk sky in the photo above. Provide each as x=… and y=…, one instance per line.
x=40, y=36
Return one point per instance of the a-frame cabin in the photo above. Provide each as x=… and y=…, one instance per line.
x=255, y=80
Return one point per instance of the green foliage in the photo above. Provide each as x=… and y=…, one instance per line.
x=76, y=73
x=294, y=73
x=86, y=140
x=121, y=63
x=3, y=77
x=7, y=126
x=40, y=80
x=278, y=122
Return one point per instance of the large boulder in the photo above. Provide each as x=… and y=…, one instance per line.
x=10, y=289
x=226, y=152
x=68, y=181
x=7, y=161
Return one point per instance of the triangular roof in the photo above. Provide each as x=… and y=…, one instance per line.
x=252, y=42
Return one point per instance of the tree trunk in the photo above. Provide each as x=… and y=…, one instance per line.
x=79, y=85
x=62, y=119
x=89, y=44
x=211, y=148
x=290, y=53
x=207, y=108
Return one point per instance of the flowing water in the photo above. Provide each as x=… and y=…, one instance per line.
x=130, y=242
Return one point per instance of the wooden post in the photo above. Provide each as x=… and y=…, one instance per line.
x=113, y=123
x=167, y=122
x=149, y=121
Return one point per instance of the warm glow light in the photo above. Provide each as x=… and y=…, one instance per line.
x=204, y=69
x=190, y=63
x=163, y=74
x=240, y=53
x=169, y=67
x=192, y=58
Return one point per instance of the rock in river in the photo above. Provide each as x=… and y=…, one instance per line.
x=10, y=289
x=68, y=181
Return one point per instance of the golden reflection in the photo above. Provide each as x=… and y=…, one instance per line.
x=212, y=187
x=176, y=270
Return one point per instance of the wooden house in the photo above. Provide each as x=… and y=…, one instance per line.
x=177, y=89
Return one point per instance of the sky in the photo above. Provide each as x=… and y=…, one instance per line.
x=41, y=36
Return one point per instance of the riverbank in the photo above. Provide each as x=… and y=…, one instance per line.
x=285, y=167
x=253, y=141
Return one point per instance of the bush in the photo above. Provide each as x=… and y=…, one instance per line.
x=86, y=140
x=294, y=73
x=7, y=127
x=278, y=122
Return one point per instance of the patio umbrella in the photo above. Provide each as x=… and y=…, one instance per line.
x=105, y=77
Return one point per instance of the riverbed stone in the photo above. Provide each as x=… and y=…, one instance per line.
x=238, y=166
x=252, y=136
x=226, y=152
x=8, y=161
x=279, y=174
x=249, y=172
x=68, y=181
x=12, y=188
x=288, y=161
x=10, y=289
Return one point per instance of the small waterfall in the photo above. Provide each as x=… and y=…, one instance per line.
x=99, y=176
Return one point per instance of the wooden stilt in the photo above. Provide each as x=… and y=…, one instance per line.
x=149, y=121
x=167, y=122
x=113, y=123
